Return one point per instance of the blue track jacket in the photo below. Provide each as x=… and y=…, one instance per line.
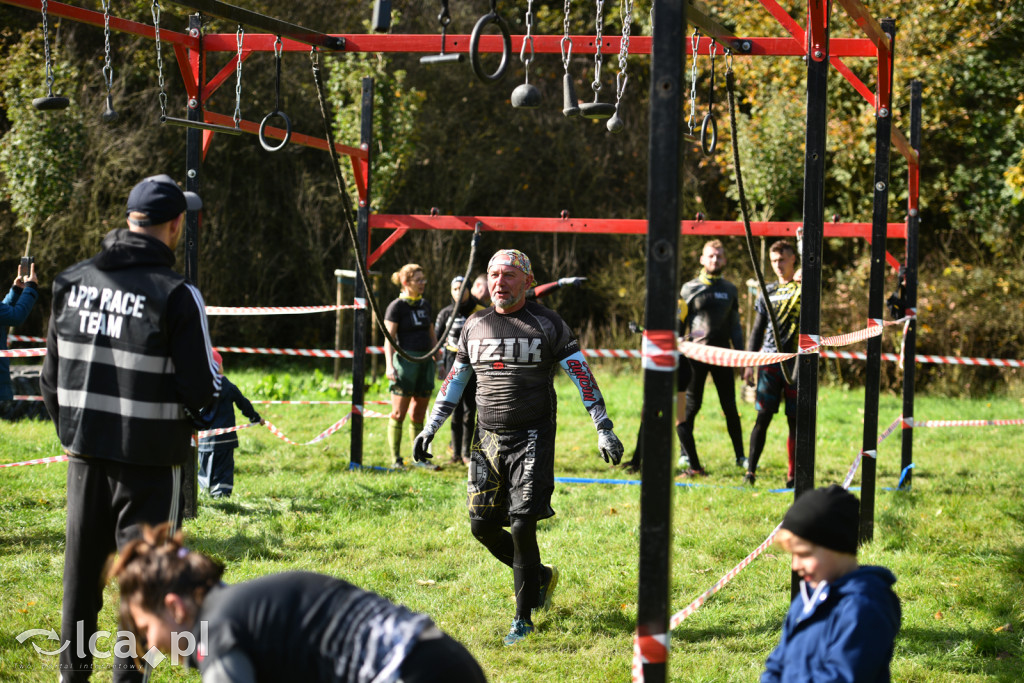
x=846, y=635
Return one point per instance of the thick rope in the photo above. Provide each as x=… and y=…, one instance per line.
x=730, y=86
x=349, y=221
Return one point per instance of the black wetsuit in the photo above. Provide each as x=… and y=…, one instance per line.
x=772, y=387
x=464, y=416
x=713, y=319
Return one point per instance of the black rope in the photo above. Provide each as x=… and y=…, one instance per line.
x=348, y=219
x=730, y=86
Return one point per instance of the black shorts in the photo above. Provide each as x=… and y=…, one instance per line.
x=512, y=473
x=772, y=387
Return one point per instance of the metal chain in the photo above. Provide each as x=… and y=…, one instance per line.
x=694, y=44
x=277, y=84
x=46, y=51
x=528, y=38
x=712, y=49
x=239, y=35
x=566, y=44
x=445, y=17
x=599, y=25
x=108, y=69
x=622, y=78
x=159, y=59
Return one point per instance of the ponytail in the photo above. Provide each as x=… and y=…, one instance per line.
x=158, y=563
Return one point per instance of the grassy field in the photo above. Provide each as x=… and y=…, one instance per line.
x=955, y=541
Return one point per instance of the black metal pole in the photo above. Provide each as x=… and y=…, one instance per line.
x=876, y=294
x=910, y=342
x=810, y=290
x=359, y=322
x=663, y=215
x=240, y=15
x=193, y=162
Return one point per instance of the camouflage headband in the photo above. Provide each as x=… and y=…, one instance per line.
x=511, y=257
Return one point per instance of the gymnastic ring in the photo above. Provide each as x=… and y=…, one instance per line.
x=474, y=48
x=287, y=131
x=708, y=149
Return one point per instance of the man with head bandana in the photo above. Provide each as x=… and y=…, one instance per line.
x=513, y=349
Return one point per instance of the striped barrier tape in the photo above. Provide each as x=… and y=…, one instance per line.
x=695, y=351
x=23, y=338
x=651, y=649
x=311, y=403
x=38, y=461
x=681, y=616
x=277, y=310
x=963, y=423
x=659, y=351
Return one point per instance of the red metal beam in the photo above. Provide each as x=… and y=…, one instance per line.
x=278, y=134
x=581, y=44
x=59, y=9
x=614, y=226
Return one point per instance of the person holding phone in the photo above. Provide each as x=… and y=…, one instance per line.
x=13, y=310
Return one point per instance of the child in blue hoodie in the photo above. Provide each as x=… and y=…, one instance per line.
x=842, y=625
x=217, y=453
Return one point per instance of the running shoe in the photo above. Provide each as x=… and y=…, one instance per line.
x=742, y=462
x=750, y=478
x=427, y=465
x=691, y=473
x=398, y=465
x=548, y=582
x=683, y=463
x=520, y=629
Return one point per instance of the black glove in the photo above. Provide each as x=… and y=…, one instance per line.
x=256, y=418
x=609, y=445
x=420, y=445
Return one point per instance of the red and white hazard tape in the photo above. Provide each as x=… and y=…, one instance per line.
x=23, y=353
x=315, y=353
x=23, y=338
x=38, y=461
x=696, y=351
x=911, y=422
x=682, y=615
x=659, y=350
x=312, y=403
x=732, y=358
x=18, y=397
x=652, y=649
x=277, y=310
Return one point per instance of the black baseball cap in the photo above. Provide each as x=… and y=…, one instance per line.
x=160, y=199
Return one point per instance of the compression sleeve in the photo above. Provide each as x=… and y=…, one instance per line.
x=579, y=372
x=448, y=396
x=757, y=331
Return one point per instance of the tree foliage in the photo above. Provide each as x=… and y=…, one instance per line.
x=271, y=226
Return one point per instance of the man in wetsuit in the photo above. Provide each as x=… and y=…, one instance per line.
x=772, y=386
x=713, y=318
x=513, y=350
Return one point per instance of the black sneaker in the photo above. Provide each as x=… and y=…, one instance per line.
x=547, y=586
x=790, y=483
x=750, y=478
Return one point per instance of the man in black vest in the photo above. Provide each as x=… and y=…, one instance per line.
x=128, y=351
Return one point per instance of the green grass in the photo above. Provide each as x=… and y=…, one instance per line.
x=955, y=542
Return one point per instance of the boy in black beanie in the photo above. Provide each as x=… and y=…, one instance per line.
x=842, y=625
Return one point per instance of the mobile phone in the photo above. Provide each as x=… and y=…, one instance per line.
x=26, y=267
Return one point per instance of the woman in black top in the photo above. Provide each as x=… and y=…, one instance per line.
x=409, y=321
x=293, y=626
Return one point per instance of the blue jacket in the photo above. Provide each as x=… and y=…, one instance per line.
x=222, y=414
x=15, y=308
x=847, y=635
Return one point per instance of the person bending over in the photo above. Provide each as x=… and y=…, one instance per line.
x=280, y=628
